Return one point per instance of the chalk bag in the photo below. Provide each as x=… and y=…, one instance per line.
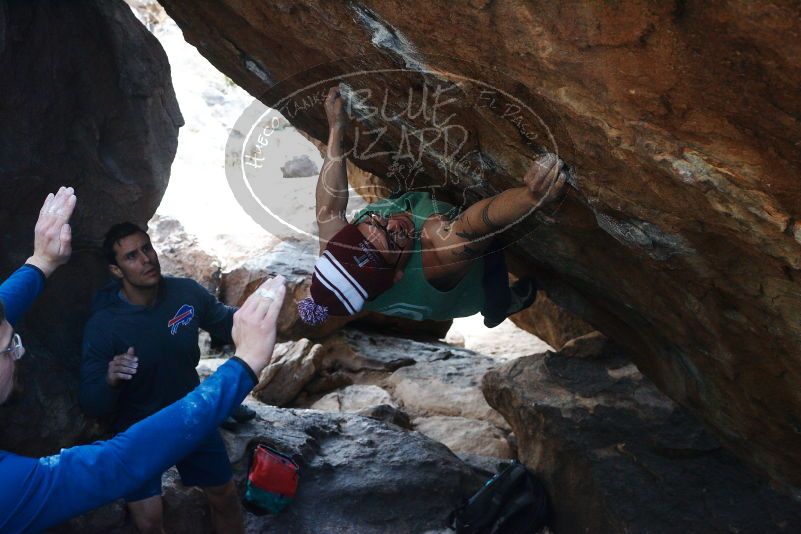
x=272, y=481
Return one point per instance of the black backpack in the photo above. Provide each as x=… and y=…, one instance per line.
x=511, y=502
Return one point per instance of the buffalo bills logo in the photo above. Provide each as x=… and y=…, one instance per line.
x=183, y=317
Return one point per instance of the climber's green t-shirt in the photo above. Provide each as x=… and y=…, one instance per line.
x=414, y=297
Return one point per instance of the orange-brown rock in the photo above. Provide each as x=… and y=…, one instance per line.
x=680, y=237
x=550, y=322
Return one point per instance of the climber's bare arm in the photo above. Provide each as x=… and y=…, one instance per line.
x=332, y=186
x=467, y=237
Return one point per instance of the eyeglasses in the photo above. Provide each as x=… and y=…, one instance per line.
x=15, y=348
x=375, y=219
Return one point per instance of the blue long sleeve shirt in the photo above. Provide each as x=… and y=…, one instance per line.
x=20, y=290
x=37, y=493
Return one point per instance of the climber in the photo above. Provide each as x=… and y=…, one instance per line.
x=38, y=493
x=140, y=350
x=405, y=257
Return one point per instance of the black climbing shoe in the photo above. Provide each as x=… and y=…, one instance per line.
x=523, y=293
x=243, y=414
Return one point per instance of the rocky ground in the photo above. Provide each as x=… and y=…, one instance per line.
x=375, y=420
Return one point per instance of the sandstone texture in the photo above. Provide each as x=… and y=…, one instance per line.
x=680, y=237
x=428, y=386
x=618, y=456
x=353, y=399
x=465, y=436
x=447, y=382
x=87, y=101
x=180, y=254
x=550, y=322
x=437, y=385
x=357, y=475
x=292, y=367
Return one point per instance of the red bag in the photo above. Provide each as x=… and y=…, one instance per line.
x=272, y=480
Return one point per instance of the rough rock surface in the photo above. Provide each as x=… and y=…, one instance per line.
x=446, y=381
x=391, y=379
x=298, y=364
x=87, y=101
x=388, y=414
x=357, y=475
x=294, y=364
x=681, y=235
x=439, y=387
x=465, y=436
x=618, y=456
x=181, y=255
x=550, y=322
x=353, y=399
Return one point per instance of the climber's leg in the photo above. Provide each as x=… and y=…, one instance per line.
x=500, y=300
x=497, y=296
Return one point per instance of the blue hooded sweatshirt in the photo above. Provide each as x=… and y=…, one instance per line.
x=165, y=340
x=37, y=493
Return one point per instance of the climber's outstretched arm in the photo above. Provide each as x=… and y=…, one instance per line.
x=332, y=186
x=39, y=493
x=467, y=237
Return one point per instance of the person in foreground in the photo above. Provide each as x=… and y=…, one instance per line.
x=140, y=350
x=413, y=256
x=37, y=493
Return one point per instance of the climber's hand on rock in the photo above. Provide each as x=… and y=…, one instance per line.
x=52, y=243
x=122, y=367
x=546, y=180
x=335, y=108
x=255, y=324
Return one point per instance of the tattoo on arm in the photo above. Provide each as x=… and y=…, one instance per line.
x=486, y=219
x=467, y=253
x=485, y=216
x=469, y=235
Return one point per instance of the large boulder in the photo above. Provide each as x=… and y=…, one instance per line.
x=395, y=378
x=87, y=102
x=445, y=381
x=618, y=456
x=357, y=475
x=681, y=234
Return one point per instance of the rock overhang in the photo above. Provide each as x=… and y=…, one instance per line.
x=680, y=235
